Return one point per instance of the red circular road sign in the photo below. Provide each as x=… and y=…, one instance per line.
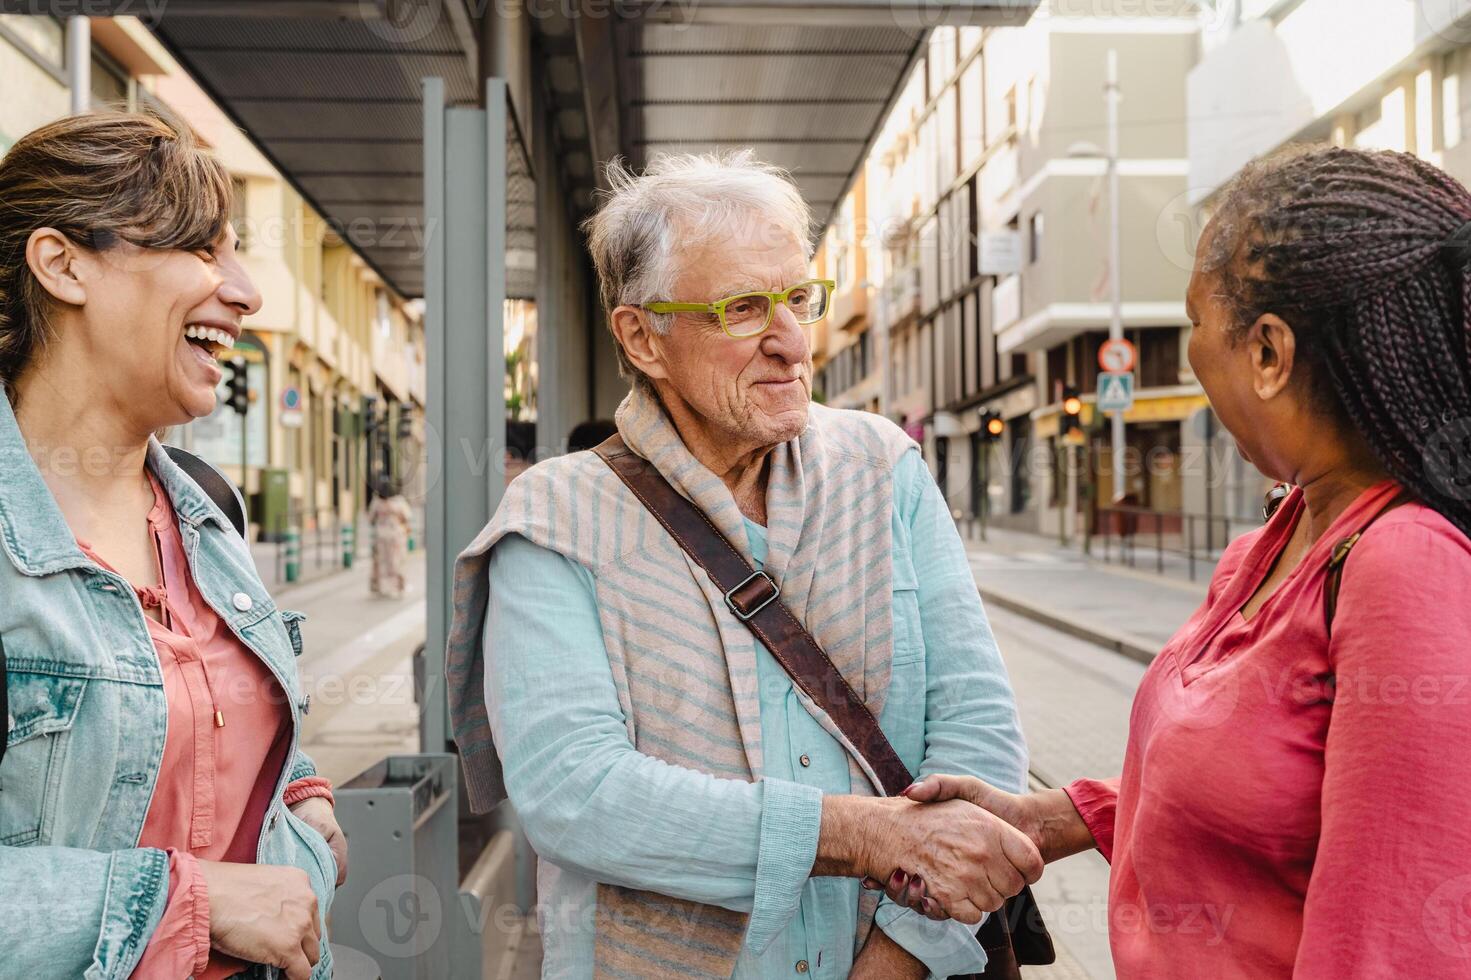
x=1116, y=356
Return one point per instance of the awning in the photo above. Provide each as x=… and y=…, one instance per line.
x=330, y=92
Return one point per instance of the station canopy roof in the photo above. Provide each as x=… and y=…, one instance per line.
x=330, y=91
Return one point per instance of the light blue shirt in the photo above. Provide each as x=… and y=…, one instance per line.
x=596, y=807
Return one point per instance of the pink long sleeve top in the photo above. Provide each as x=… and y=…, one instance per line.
x=228, y=735
x=1293, y=805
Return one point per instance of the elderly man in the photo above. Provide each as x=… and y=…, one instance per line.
x=696, y=814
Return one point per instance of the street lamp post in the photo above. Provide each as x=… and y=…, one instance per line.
x=1115, y=258
x=1112, y=97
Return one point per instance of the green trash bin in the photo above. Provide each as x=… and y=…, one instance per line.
x=275, y=503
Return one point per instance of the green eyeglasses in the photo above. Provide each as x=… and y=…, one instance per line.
x=747, y=314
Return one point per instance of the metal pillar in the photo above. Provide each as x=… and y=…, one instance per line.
x=464, y=292
x=79, y=62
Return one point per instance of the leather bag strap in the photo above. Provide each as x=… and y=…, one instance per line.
x=1340, y=555
x=755, y=599
x=1011, y=938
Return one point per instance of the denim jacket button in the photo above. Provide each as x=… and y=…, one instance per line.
x=242, y=602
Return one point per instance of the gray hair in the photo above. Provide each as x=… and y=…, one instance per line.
x=681, y=200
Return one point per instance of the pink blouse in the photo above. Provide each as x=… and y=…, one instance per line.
x=228, y=734
x=1292, y=806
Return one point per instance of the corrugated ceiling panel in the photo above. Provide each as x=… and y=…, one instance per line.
x=720, y=37
x=354, y=156
x=271, y=118
x=426, y=33
x=698, y=77
x=736, y=123
x=334, y=187
x=797, y=157
x=267, y=74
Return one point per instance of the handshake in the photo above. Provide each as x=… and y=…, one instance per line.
x=949, y=847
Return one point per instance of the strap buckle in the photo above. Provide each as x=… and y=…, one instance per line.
x=1341, y=550
x=746, y=617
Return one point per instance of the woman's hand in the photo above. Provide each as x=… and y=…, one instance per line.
x=1048, y=820
x=961, y=860
x=264, y=913
x=318, y=814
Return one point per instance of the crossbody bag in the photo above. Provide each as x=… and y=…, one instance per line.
x=1012, y=938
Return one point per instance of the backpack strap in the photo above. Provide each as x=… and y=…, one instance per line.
x=1340, y=555
x=220, y=490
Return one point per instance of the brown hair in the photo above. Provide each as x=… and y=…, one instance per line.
x=99, y=178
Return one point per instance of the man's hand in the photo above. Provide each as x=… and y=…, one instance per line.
x=960, y=860
x=883, y=959
x=264, y=913
x=318, y=814
x=1048, y=818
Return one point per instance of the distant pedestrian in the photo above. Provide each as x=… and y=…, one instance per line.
x=1294, y=794
x=158, y=819
x=593, y=432
x=392, y=520
x=520, y=448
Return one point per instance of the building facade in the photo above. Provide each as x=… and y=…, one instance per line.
x=986, y=248
x=334, y=359
x=1373, y=74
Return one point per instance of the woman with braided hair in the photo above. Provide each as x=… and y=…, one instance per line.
x=1293, y=801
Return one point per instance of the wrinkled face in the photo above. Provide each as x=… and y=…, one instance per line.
x=755, y=390
x=159, y=320
x=1222, y=364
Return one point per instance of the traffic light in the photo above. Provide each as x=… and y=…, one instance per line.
x=237, y=386
x=1072, y=409
x=405, y=421
x=993, y=426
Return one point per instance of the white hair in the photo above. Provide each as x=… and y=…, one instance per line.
x=682, y=200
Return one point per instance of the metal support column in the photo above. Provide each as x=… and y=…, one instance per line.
x=464, y=292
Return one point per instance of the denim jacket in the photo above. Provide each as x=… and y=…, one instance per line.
x=78, y=896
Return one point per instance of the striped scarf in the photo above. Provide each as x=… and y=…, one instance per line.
x=683, y=665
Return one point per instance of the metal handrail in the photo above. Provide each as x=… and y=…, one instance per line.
x=1122, y=521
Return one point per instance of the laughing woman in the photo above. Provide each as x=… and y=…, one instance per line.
x=156, y=817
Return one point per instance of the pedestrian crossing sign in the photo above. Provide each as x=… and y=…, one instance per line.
x=1116, y=391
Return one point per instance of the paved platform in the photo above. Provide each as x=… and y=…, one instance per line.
x=1129, y=611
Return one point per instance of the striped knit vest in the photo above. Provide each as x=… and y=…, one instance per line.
x=683, y=665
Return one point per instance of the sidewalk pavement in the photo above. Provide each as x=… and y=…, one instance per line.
x=1128, y=610
x=356, y=665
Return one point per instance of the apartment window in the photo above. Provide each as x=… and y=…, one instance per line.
x=42, y=39
x=1159, y=357
x=947, y=121
x=1034, y=238
x=1057, y=371
x=972, y=114
x=109, y=83
x=969, y=38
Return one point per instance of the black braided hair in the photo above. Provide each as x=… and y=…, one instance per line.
x=1367, y=255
